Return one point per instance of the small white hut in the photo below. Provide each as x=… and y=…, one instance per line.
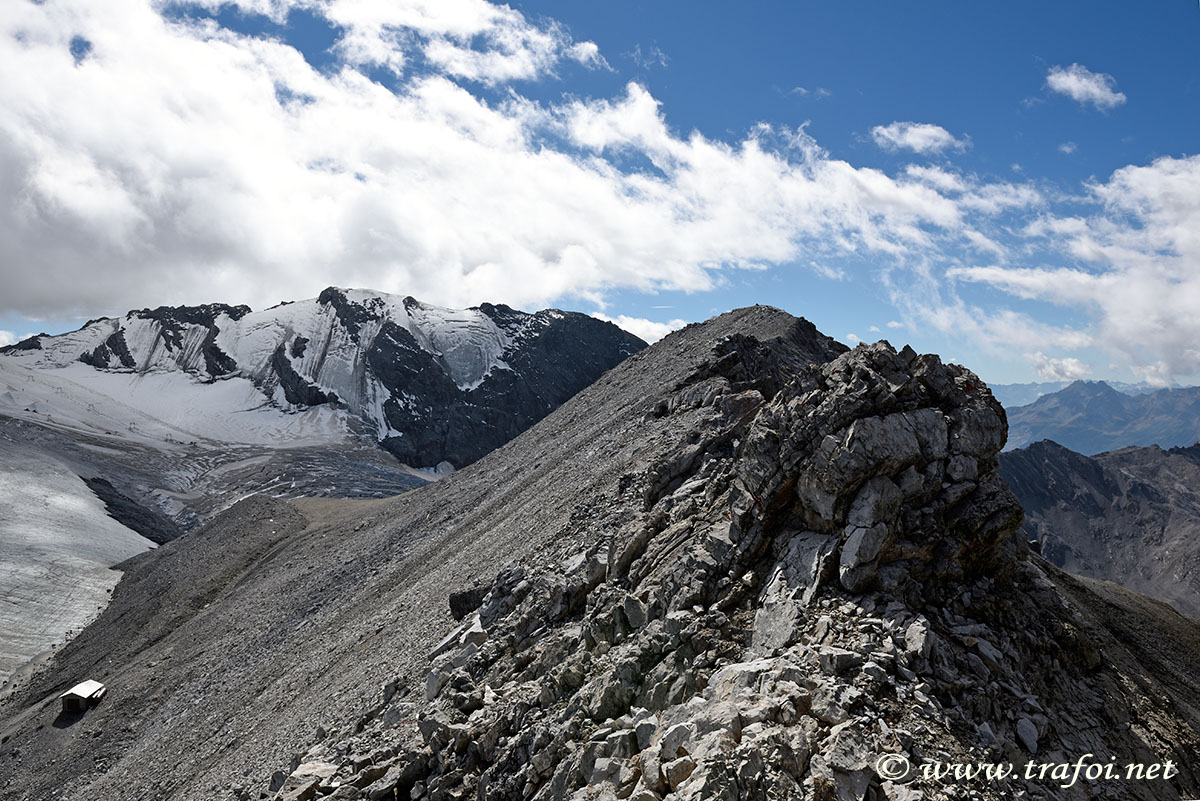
x=83, y=695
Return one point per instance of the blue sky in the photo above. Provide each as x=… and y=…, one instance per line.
x=1014, y=186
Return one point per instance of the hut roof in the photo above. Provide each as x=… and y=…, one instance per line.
x=84, y=689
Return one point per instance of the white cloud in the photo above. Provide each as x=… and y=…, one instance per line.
x=648, y=330
x=852, y=339
x=942, y=180
x=817, y=93
x=918, y=137
x=995, y=198
x=873, y=329
x=1137, y=271
x=7, y=338
x=997, y=330
x=1084, y=86
x=180, y=162
x=588, y=54
x=1157, y=374
x=974, y=195
x=651, y=57
x=1066, y=369
x=471, y=39
x=832, y=273
x=234, y=171
x=1068, y=148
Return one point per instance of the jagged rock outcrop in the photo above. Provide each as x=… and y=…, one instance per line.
x=1131, y=516
x=824, y=577
x=747, y=563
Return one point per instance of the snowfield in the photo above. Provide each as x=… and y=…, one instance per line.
x=164, y=409
x=57, y=548
x=162, y=386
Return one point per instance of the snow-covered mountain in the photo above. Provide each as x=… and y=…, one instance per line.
x=430, y=384
x=153, y=422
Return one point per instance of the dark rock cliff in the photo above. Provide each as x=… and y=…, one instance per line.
x=1131, y=516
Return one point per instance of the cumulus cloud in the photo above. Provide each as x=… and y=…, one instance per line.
x=7, y=338
x=1138, y=266
x=1084, y=86
x=233, y=170
x=895, y=324
x=919, y=137
x=648, y=330
x=1068, y=148
x=1066, y=369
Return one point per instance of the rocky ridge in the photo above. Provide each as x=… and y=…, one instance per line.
x=821, y=575
x=1130, y=516
x=746, y=563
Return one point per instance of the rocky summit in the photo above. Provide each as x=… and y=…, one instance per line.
x=747, y=563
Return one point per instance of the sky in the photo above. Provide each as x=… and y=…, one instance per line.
x=1013, y=186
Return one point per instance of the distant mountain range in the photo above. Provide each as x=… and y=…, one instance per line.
x=132, y=429
x=1013, y=395
x=1091, y=417
x=1130, y=516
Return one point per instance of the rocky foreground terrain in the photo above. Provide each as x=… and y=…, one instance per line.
x=746, y=563
x=1130, y=516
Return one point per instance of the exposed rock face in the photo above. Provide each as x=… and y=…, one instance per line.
x=827, y=576
x=435, y=384
x=156, y=527
x=1090, y=417
x=747, y=564
x=1131, y=516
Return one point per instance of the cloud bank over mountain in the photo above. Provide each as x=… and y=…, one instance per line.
x=157, y=155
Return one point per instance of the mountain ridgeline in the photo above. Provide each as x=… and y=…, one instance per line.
x=1131, y=516
x=1091, y=417
x=435, y=385
x=1013, y=395
x=747, y=563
